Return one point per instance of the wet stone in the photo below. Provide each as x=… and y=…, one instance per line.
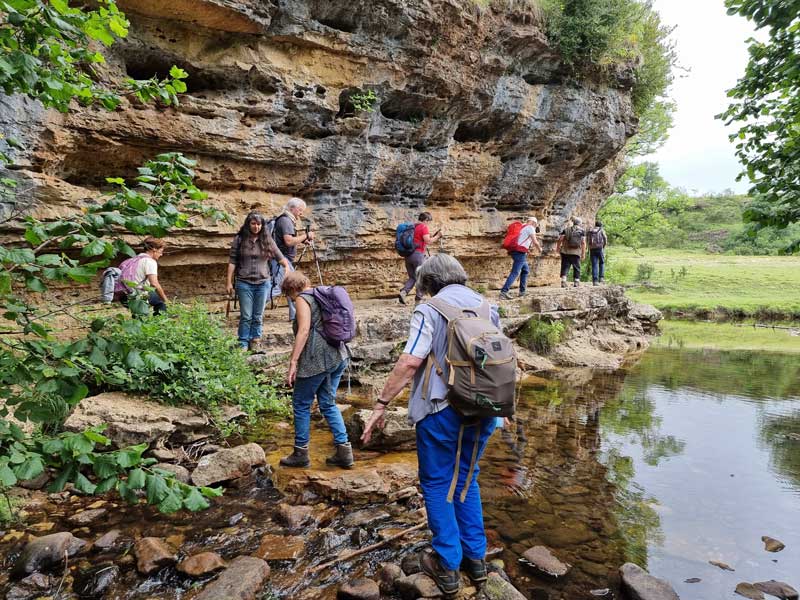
x=418, y=585
x=497, y=588
x=543, y=560
x=294, y=517
x=33, y=586
x=359, y=589
x=93, y=582
x=201, y=564
x=47, y=551
x=107, y=541
x=387, y=575
x=242, y=580
x=235, y=519
x=365, y=517
x=410, y=564
x=227, y=464
x=771, y=544
x=279, y=547
x=778, y=589
x=181, y=473
x=748, y=590
x=152, y=554
x=86, y=517
x=640, y=585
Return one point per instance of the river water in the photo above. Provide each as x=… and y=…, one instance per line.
x=690, y=456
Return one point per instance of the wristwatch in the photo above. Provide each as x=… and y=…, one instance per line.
x=383, y=402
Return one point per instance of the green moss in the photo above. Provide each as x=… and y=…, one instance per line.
x=541, y=336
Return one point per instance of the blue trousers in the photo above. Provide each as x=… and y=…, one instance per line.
x=457, y=526
x=323, y=387
x=598, y=263
x=252, y=298
x=519, y=269
x=275, y=289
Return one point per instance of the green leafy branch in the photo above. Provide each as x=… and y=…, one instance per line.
x=76, y=460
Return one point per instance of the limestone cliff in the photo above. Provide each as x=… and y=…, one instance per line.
x=474, y=120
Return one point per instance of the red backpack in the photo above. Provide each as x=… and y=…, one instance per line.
x=512, y=237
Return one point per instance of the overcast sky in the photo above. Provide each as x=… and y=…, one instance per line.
x=711, y=44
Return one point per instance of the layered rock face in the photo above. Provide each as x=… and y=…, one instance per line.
x=473, y=121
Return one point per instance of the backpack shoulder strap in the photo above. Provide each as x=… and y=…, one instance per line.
x=450, y=312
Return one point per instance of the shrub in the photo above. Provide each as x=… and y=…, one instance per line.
x=644, y=271
x=187, y=358
x=364, y=101
x=541, y=336
x=618, y=271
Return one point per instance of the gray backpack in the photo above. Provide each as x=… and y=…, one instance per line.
x=481, y=362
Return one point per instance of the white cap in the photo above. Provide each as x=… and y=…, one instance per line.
x=532, y=218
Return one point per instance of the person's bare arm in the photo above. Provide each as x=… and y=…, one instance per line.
x=559, y=243
x=399, y=378
x=152, y=280
x=303, y=331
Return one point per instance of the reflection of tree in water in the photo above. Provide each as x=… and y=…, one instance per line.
x=781, y=432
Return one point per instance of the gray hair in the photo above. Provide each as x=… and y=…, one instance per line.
x=438, y=272
x=295, y=203
x=577, y=220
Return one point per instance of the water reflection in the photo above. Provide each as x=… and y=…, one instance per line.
x=669, y=465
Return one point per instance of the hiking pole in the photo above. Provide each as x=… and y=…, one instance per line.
x=316, y=262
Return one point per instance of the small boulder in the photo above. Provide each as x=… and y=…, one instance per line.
x=721, y=565
x=640, y=585
x=387, y=575
x=541, y=559
x=748, y=590
x=365, y=517
x=46, y=551
x=86, y=517
x=418, y=585
x=359, y=589
x=33, y=586
x=410, y=564
x=227, y=464
x=107, y=541
x=36, y=483
x=280, y=547
x=242, y=580
x=771, y=544
x=497, y=588
x=180, y=473
x=294, y=517
x=152, y=554
x=778, y=589
x=93, y=582
x=396, y=431
x=201, y=564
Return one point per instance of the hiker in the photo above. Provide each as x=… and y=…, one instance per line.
x=449, y=444
x=522, y=238
x=597, y=244
x=251, y=252
x=572, y=246
x=315, y=368
x=422, y=237
x=288, y=239
x=142, y=272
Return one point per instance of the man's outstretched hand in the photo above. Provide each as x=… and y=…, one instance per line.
x=375, y=420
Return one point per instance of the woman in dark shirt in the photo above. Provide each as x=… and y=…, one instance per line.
x=315, y=369
x=251, y=251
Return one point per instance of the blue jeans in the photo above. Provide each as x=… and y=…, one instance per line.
x=598, y=263
x=252, y=298
x=324, y=387
x=457, y=527
x=277, y=279
x=519, y=269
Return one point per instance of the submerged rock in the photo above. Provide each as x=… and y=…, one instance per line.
x=94, y=582
x=748, y=590
x=365, y=517
x=497, y=588
x=228, y=464
x=242, y=580
x=294, y=517
x=541, y=559
x=152, y=554
x=46, y=551
x=771, y=544
x=107, y=541
x=359, y=589
x=778, y=589
x=721, y=565
x=33, y=586
x=201, y=564
x=280, y=547
x=640, y=585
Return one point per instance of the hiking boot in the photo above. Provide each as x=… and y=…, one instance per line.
x=343, y=457
x=448, y=581
x=298, y=458
x=523, y=293
x=576, y=283
x=595, y=283
x=602, y=281
x=474, y=568
x=401, y=297
x=254, y=345
x=563, y=283
x=504, y=296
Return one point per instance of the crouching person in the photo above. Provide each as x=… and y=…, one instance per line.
x=315, y=369
x=451, y=432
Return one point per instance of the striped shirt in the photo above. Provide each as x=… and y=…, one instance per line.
x=251, y=265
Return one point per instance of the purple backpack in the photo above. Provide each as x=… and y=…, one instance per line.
x=338, y=314
x=128, y=273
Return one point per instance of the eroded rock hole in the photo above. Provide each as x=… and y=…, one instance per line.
x=338, y=23
x=471, y=132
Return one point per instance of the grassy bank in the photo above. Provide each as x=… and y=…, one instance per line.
x=710, y=285
x=726, y=336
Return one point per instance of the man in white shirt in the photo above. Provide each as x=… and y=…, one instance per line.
x=520, y=268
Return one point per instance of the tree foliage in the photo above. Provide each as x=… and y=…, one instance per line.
x=766, y=106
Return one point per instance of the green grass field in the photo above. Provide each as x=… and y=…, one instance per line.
x=696, y=284
x=726, y=336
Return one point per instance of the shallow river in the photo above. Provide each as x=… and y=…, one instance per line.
x=689, y=457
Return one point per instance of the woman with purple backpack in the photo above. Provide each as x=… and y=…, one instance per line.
x=141, y=272
x=315, y=368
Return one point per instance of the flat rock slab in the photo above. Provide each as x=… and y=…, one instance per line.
x=640, y=585
x=227, y=464
x=497, y=588
x=771, y=544
x=152, y=554
x=294, y=516
x=542, y=559
x=242, y=580
x=748, y=590
x=280, y=547
x=359, y=589
x=33, y=586
x=396, y=432
x=365, y=517
x=417, y=585
x=46, y=551
x=201, y=564
x=85, y=517
x=778, y=589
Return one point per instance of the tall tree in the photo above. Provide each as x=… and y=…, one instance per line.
x=766, y=106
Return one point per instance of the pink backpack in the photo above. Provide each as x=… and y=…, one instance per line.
x=128, y=273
